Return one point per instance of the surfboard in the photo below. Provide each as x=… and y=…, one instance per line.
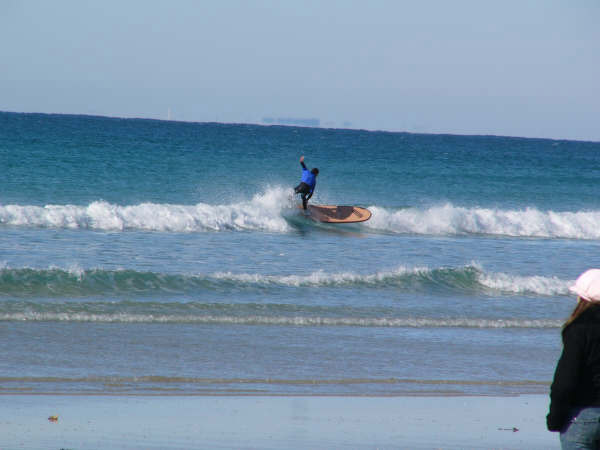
x=338, y=213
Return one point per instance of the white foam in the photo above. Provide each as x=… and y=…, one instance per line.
x=525, y=285
x=453, y=220
x=321, y=278
x=503, y=282
x=408, y=322
x=262, y=212
x=266, y=212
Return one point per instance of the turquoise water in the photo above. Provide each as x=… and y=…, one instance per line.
x=148, y=256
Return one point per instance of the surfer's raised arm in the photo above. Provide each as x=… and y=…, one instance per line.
x=302, y=162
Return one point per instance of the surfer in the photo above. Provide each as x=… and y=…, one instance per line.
x=307, y=184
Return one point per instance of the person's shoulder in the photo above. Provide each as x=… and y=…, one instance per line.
x=590, y=316
x=588, y=322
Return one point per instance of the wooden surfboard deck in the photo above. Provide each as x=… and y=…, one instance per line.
x=338, y=213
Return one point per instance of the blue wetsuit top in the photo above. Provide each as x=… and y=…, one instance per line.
x=308, y=177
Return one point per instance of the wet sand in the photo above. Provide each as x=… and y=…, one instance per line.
x=88, y=422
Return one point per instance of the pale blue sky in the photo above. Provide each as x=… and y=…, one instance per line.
x=511, y=67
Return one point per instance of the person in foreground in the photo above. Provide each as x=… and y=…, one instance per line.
x=575, y=391
x=307, y=184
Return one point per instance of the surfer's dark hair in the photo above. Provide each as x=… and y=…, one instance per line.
x=315, y=171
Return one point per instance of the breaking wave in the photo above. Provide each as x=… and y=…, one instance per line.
x=270, y=212
x=73, y=283
x=453, y=220
x=262, y=213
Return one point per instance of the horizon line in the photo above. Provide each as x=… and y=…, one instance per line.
x=262, y=124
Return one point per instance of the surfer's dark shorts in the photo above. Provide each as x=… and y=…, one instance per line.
x=302, y=188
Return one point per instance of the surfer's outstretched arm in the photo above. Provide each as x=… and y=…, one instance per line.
x=302, y=162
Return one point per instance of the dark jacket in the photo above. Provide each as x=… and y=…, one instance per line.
x=577, y=377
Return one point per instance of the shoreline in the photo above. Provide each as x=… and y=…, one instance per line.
x=89, y=421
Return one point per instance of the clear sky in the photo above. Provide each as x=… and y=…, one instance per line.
x=511, y=67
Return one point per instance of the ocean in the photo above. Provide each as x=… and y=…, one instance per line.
x=166, y=258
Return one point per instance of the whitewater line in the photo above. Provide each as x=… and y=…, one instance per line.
x=453, y=220
x=267, y=211
x=299, y=321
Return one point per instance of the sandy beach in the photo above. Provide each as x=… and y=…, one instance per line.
x=260, y=422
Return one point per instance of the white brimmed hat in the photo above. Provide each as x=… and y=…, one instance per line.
x=587, y=286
